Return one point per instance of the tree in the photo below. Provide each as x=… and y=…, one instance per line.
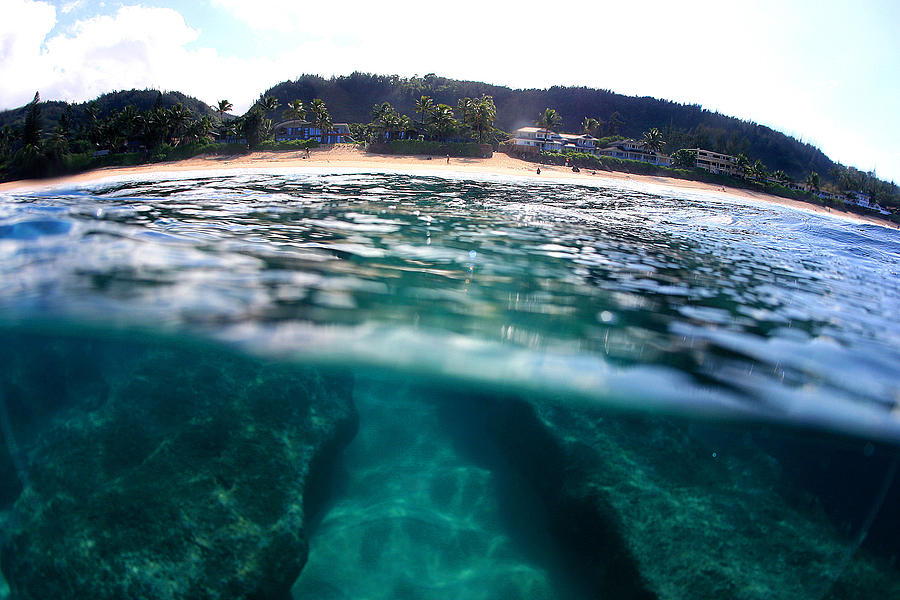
x=759, y=171
x=549, y=119
x=7, y=138
x=31, y=132
x=478, y=114
x=443, y=122
x=615, y=123
x=295, y=110
x=321, y=116
x=653, y=140
x=812, y=181
x=425, y=106
x=269, y=103
x=781, y=177
x=198, y=130
x=684, y=159
x=223, y=107
x=590, y=126
x=179, y=117
x=742, y=162
x=254, y=126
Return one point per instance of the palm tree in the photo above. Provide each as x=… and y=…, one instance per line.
x=269, y=103
x=379, y=110
x=443, y=122
x=198, y=130
x=425, y=106
x=812, y=181
x=781, y=177
x=388, y=123
x=485, y=113
x=224, y=107
x=295, y=110
x=742, y=162
x=178, y=119
x=653, y=140
x=321, y=117
x=549, y=119
x=590, y=125
x=759, y=170
x=478, y=114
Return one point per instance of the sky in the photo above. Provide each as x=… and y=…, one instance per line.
x=825, y=71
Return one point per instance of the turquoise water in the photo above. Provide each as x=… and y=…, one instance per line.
x=381, y=385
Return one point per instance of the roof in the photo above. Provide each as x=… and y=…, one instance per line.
x=534, y=130
x=577, y=136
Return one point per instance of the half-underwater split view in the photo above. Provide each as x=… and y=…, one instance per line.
x=346, y=385
x=593, y=300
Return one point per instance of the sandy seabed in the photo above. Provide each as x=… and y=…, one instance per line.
x=345, y=156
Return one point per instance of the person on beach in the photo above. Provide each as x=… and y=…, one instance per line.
x=448, y=159
x=538, y=170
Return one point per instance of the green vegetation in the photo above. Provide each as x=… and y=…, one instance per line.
x=438, y=123
x=549, y=119
x=683, y=159
x=89, y=137
x=653, y=140
x=350, y=97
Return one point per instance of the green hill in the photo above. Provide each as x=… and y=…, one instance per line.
x=350, y=98
x=142, y=100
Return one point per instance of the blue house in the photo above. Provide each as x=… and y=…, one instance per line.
x=288, y=131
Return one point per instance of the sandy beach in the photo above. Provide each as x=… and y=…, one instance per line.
x=352, y=157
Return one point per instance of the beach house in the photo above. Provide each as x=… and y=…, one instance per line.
x=716, y=162
x=864, y=200
x=295, y=129
x=536, y=139
x=635, y=150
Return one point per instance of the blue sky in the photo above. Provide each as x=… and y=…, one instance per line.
x=826, y=72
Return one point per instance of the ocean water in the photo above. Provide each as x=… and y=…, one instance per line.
x=348, y=385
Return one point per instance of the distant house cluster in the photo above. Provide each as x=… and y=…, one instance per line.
x=536, y=139
x=288, y=131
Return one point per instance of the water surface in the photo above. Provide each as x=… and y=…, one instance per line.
x=762, y=332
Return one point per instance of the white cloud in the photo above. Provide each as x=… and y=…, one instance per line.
x=70, y=6
x=22, y=31
x=135, y=47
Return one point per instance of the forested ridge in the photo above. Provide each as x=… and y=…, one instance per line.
x=142, y=100
x=350, y=98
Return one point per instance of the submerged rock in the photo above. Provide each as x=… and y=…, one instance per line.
x=419, y=517
x=191, y=480
x=652, y=508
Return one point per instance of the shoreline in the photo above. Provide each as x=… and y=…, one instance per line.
x=352, y=157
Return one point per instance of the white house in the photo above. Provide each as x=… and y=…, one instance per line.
x=578, y=143
x=716, y=162
x=864, y=200
x=538, y=139
x=287, y=131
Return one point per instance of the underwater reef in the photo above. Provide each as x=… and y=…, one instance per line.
x=188, y=478
x=146, y=468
